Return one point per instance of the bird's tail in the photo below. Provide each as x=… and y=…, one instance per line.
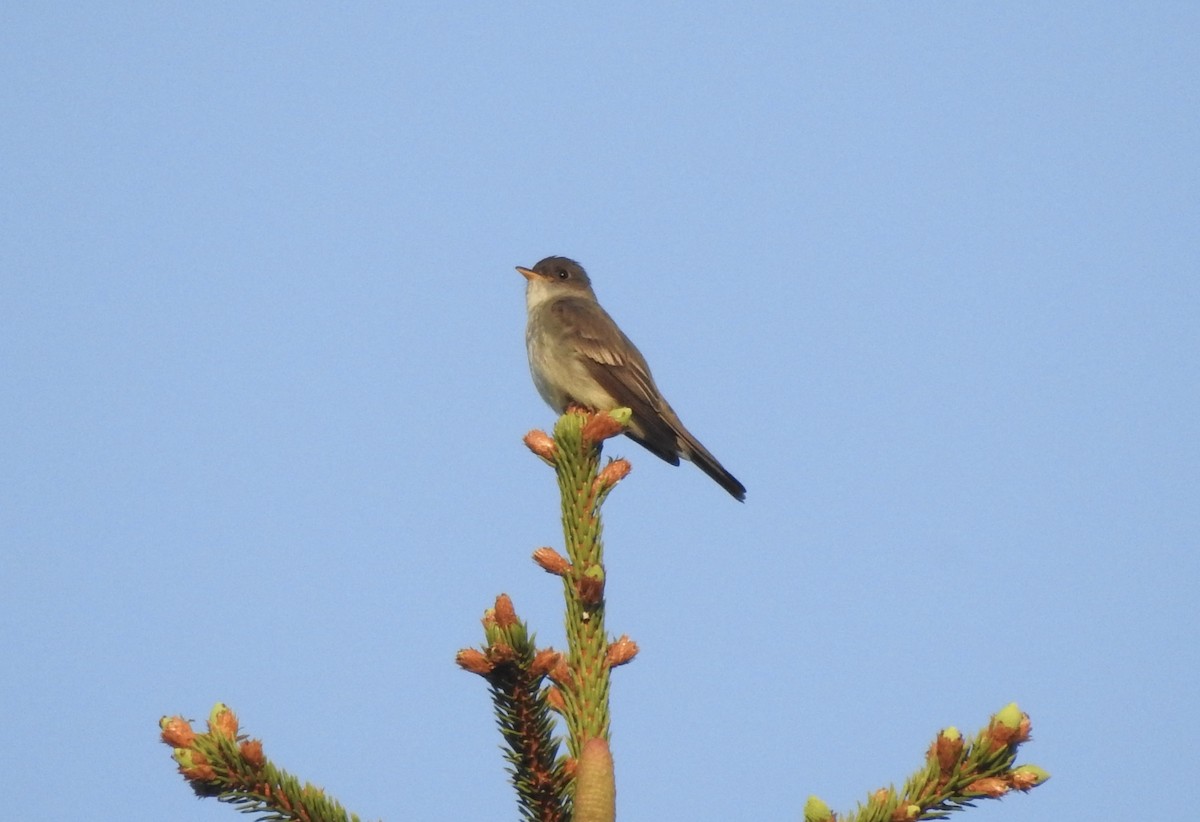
x=706, y=462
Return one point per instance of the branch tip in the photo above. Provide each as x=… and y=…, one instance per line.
x=1027, y=777
x=177, y=731
x=551, y=561
x=611, y=474
x=621, y=652
x=815, y=810
x=544, y=662
x=504, y=615
x=540, y=443
x=222, y=721
x=252, y=751
x=602, y=425
x=474, y=661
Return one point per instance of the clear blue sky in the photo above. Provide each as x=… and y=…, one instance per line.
x=926, y=277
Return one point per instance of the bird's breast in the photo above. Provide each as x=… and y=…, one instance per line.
x=560, y=373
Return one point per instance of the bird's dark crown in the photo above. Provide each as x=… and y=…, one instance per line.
x=562, y=268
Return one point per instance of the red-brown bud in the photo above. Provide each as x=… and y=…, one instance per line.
x=252, y=752
x=177, y=731
x=473, y=660
x=552, y=561
x=194, y=765
x=601, y=426
x=540, y=443
x=611, y=474
x=560, y=673
x=992, y=786
x=590, y=585
x=621, y=651
x=947, y=749
x=1009, y=726
x=544, y=661
x=1026, y=777
x=554, y=699
x=504, y=614
x=222, y=722
x=199, y=773
x=501, y=653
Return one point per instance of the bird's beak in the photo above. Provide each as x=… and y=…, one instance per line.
x=527, y=273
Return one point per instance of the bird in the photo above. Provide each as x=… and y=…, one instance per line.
x=578, y=356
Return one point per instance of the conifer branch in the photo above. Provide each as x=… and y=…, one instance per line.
x=514, y=669
x=583, y=486
x=955, y=775
x=553, y=786
x=232, y=768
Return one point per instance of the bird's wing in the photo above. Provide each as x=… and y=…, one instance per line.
x=621, y=371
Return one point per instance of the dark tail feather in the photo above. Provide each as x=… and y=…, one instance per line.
x=671, y=440
x=707, y=463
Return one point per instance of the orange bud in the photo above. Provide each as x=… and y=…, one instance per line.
x=1009, y=726
x=611, y=474
x=1023, y=730
x=552, y=561
x=554, y=699
x=251, y=751
x=560, y=674
x=1026, y=777
x=470, y=659
x=222, y=722
x=177, y=731
x=600, y=426
x=591, y=591
x=992, y=786
x=540, y=443
x=544, y=660
x=947, y=748
x=504, y=614
x=621, y=651
x=194, y=765
x=199, y=773
x=590, y=585
x=501, y=653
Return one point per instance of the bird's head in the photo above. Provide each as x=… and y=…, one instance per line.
x=557, y=277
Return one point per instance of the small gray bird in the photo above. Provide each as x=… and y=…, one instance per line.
x=578, y=356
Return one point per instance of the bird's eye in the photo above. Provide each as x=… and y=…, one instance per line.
x=562, y=274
